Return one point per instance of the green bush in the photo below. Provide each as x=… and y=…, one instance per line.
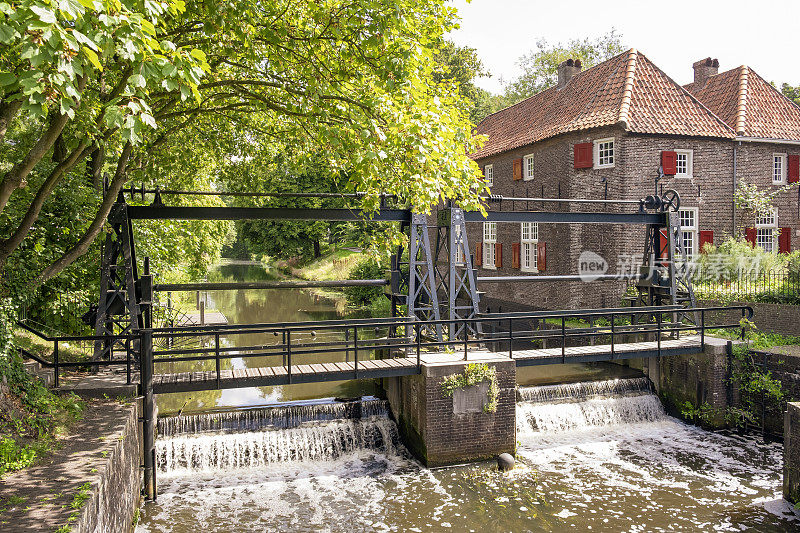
x=734, y=257
x=793, y=267
x=367, y=269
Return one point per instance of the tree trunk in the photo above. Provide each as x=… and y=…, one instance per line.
x=91, y=233
x=8, y=246
x=317, y=252
x=8, y=110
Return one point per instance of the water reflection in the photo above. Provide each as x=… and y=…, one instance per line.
x=258, y=306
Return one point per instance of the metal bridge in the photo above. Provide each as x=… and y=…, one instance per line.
x=437, y=285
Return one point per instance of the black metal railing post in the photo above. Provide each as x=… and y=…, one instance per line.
x=419, y=345
x=563, y=339
x=55, y=362
x=216, y=357
x=612, y=336
x=288, y=336
x=742, y=322
x=466, y=347
x=149, y=419
x=703, y=329
x=510, y=338
x=128, y=361
x=658, y=332
x=355, y=351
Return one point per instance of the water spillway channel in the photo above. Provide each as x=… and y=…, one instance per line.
x=599, y=455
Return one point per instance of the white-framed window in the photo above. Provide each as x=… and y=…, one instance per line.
x=488, y=172
x=688, y=221
x=458, y=242
x=767, y=231
x=604, y=155
x=527, y=167
x=778, y=168
x=684, y=163
x=489, y=241
x=529, y=247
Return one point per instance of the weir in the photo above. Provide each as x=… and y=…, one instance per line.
x=448, y=370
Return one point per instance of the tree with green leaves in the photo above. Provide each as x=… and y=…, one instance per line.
x=132, y=89
x=540, y=66
x=791, y=92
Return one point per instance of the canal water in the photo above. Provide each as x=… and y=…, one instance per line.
x=597, y=455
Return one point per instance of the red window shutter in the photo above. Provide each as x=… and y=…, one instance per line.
x=706, y=236
x=582, y=155
x=515, y=255
x=498, y=255
x=785, y=241
x=478, y=254
x=669, y=162
x=541, y=257
x=793, y=172
x=517, y=169
x=750, y=235
x=662, y=251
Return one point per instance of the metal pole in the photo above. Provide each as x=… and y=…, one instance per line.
x=612, y=335
x=465, y=339
x=563, y=340
x=216, y=356
x=128, y=361
x=355, y=350
x=288, y=334
x=419, y=366
x=703, y=329
x=149, y=419
x=510, y=339
x=55, y=361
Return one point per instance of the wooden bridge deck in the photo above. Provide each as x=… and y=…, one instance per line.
x=279, y=375
x=405, y=366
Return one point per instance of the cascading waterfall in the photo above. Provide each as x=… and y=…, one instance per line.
x=279, y=417
x=258, y=437
x=574, y=406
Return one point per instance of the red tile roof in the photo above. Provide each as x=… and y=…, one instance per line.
x=750, y=105
x=627, y=89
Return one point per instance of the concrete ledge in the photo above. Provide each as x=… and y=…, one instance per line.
x=101, y=454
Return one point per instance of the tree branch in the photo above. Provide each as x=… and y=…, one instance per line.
x=14, y=178
x=8, y=110
x=8, y=246
x=94, y=228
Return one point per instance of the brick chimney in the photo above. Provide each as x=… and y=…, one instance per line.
x=704, y=69
x=567, y=70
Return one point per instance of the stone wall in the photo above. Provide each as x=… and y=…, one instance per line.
x=99, y=459
x=441, y=429
x=776, y=318
x=791, y=453
x=697, y=378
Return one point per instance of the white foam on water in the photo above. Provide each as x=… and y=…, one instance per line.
x=606, y=459
x=607, y=452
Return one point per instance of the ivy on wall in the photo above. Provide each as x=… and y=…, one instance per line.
x=473, y=374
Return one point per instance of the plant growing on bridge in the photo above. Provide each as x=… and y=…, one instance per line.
x=473, y=374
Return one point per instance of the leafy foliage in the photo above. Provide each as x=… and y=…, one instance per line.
x=540, y=66
x=473, y=374
x=367, y=269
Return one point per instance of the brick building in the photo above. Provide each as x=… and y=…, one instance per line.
x=603, y=133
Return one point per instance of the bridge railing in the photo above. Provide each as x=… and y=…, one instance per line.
x=295, y=343
x=60, y=341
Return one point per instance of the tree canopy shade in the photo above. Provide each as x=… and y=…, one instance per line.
x=133, y=88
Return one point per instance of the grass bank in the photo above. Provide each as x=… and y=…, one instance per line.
x=344, y=263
